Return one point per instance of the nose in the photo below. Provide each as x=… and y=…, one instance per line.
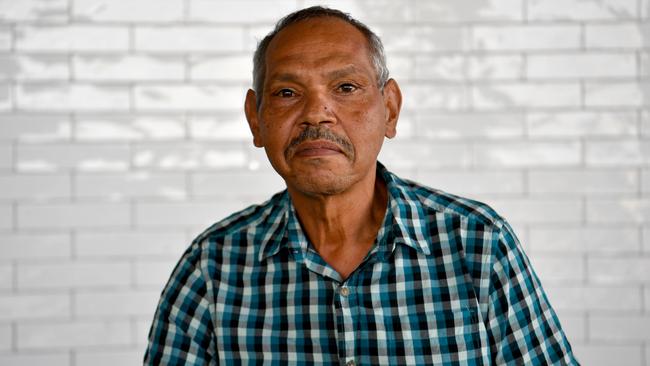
x=317, y=109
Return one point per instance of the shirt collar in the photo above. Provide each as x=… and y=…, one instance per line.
x=406, y=221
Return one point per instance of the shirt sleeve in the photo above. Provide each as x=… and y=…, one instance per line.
x=522, y=326
x=182, y=329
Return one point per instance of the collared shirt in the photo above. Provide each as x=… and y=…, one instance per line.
x=445, y=283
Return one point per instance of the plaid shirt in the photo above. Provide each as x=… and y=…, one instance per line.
x=446, y=283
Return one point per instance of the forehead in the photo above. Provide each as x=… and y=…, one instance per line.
x=312, y=42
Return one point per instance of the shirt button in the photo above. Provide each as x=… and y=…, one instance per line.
x=350, y=363
x=345, y=292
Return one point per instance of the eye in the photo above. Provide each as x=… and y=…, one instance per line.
x=285, y=93
x=347, y=88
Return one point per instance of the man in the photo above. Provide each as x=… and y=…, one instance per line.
x=350, y=264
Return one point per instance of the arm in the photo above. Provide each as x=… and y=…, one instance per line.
x=182, y=331
x=522, y=326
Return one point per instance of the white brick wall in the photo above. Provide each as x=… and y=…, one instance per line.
x=122, y=136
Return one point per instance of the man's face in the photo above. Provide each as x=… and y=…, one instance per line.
x=323, y=118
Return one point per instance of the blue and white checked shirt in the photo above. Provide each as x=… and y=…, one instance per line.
x=446, y=283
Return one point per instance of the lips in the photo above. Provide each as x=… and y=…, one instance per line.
x=317, y=147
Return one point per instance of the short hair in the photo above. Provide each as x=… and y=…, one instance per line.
x=376, y=48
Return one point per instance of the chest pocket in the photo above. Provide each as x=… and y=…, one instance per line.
x=438, y=337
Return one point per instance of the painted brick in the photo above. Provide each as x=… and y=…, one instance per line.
x=236, y=184
x=52, y=335
x=62, y=97
x=229, y=11
x=96, y=128
x=53, y=157
x=35, y=128
x=527, y=154
x=184, y=214
x=594, y=298
x=152, y=243
x=34, y=186
x=617, y=35
x=34, y=67
x=154, y=274
x=565, y=269
x=581, y=10
x=581, y=65
x=33, y=10
x=619, y=327
x=626, y=210
x=32, y=307
x=434, y=96
x=579, y=124
x=574, y=325
x=35, y=246
x=6, y=277
x=644, y=59
x=6, y=337
x=460, y=67
x=70, y=38
x=468, y=11
x=530, y=37
x=370, y=10
x=593, y=239
x=142, y=332
x=579, y=182
x=115, y=304
x=73, y=215
x=129, y=185
x=174, y=39
x=195, y=97
x=621, y=270
x=549, y=210
x=475, y=182
x=617, y=153
x=6, y=156
x=607, y=355
x=6, y=39
x=71, y=274
x=398, y=39
x=470, y=125
x=189, y=156
x=645, y=181
x=131, y=11
x=6, y=216
x=6, y=99
x=230, y=68
x=645, y=13
x=607, y=94
x=228, y=126
x=519, y=95
x=109, y=357
x=407, y=155
x=645, y=123
x=128, y=67
x=30, y=359
x=402, y=67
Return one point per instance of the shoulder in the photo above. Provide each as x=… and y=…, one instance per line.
x=436, y=202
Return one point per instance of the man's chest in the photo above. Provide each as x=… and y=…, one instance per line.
x=403, y=310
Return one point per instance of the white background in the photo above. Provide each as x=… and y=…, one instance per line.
x=122, y=136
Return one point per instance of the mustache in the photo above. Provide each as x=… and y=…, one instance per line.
x=320, y=133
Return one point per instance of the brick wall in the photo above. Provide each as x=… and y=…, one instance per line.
x=122, y=135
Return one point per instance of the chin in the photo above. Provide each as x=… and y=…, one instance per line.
x=322, y=183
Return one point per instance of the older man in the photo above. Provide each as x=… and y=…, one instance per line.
x=350, y=264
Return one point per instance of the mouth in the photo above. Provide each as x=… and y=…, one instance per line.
x=317, y=148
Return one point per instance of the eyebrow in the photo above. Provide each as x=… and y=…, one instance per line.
x=335, y=74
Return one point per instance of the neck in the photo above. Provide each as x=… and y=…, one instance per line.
x=343, y=227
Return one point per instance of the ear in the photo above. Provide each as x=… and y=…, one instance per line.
x=393, y=104
x=250, y=108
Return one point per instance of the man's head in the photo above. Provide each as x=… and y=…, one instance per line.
x=322, y=110
x=375, y=46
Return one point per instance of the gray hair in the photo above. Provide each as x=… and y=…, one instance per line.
x=377, y=55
